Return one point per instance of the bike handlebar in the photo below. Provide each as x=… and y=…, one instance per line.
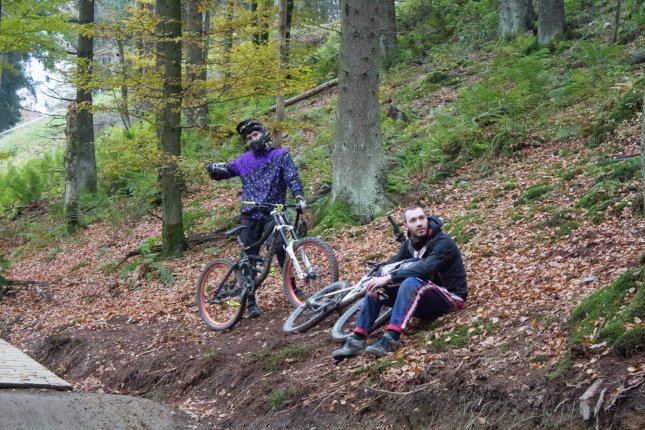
x=400, y=236
x=272, y=206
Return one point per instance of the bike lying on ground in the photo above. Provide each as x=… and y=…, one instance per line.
x=338, y=295
x=224, y=285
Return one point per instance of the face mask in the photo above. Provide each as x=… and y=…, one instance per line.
x=258, y=145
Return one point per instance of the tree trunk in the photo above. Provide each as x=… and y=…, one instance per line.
x=169, y=126
x=358, y=160
x=194, y=39
x=282, y=58
x=551, y=21
x=614, y=37
x=389, y=49
x=228, y=39
x=123, y=103
x=3, y=58
x=290, y=7
x=514, y=17
x=309, y=93
x=643, y=151
x=80, y=159
x=261, y=10
x=72, y=192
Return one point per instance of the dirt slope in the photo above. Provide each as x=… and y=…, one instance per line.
x=137, y=336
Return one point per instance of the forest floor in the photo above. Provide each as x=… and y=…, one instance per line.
x=135, y=335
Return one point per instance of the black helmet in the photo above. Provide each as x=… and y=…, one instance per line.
x=248, y=126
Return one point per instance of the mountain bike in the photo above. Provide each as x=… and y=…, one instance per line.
x=337, y=296
x=224, y=285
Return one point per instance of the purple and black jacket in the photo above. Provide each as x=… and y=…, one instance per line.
x=264, y=177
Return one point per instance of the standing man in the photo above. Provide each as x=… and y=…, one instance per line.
x=434, y=286
x=265, y=172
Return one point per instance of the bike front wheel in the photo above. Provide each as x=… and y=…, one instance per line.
x=318, y=267
x=221, y=296
x=345, y=325
x=314, y=309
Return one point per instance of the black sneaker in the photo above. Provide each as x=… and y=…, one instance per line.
x=384, y=345
x=253, y=311
x=351, y=348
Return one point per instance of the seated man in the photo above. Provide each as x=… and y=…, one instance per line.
x=434, y=286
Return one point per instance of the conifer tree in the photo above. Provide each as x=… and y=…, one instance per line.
x=358, y=159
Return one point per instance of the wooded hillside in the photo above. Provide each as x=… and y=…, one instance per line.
x=519, y=122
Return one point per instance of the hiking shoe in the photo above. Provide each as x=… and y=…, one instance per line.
x=253, y=311
x=384, y=345
x=351, y=347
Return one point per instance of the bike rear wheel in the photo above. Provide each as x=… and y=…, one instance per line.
x=318, y=262
x=344, y=327
x=221, y=296
x=314, y=309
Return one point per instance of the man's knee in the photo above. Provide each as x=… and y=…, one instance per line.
x=409, y=287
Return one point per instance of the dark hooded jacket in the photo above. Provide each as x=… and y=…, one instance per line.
x=441, y=263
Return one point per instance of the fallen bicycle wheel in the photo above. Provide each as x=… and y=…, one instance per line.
x=345, y=325
x=314, y=309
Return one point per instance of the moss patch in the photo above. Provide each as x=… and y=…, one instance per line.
x=607, y=314
x=289, y=354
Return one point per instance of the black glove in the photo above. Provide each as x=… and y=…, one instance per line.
x=301, y=203
x=217, y=170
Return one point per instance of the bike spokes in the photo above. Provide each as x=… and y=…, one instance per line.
x=221, y=298
x=311, y=267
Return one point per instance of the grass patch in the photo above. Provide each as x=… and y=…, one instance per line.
x=462, y=228
x=617, y=170
x=79, y=266
x=381, y=366
x=41, y=137
x=570, y=174
x=532, y=194
x=562, y=368
x=563, y=221
x=630, y=342
x=608, y=313
x=279, y=398
x=4, y=283
x=289, y=354
x=331, y=216
x=599, y=198
x=460, y=336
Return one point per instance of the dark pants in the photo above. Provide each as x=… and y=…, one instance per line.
x=414, y=297
x=252, y=233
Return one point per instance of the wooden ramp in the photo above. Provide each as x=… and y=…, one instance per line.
x=18, y=370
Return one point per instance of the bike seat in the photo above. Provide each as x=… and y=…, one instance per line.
x=234, y=230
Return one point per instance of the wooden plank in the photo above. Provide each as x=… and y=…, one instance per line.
x=18, y=370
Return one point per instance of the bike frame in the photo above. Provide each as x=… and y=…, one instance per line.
x=355, y=291
x=286, y=232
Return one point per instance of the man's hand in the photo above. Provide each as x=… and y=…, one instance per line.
x=374, y=285
x=301, y=202
x=216, y=170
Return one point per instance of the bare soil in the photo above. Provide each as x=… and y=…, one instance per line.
x=75, y=311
